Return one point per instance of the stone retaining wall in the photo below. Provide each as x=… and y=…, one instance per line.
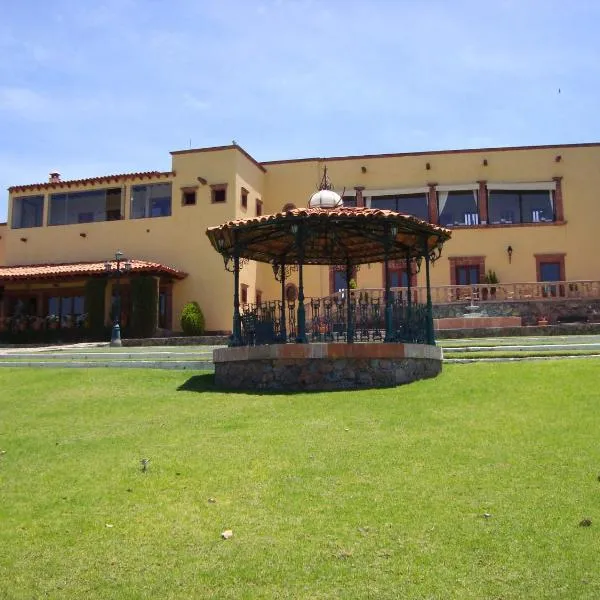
x=312, y=367
x=529, y=310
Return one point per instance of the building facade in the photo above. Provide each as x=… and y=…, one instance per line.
x=527, y=214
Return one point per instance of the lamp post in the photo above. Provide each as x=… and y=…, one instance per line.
x=116, y=270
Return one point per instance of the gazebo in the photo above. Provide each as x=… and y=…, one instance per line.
x=260, y=352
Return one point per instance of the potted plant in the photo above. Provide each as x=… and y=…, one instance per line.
x=491, y=279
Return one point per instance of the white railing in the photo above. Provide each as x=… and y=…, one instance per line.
x=499, y=292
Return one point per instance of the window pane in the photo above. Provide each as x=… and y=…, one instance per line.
x=458, y=208
x=349, y=201
x=503, y=207
x=58, y=209
x=409, y=204
x=339, y=280
x=550, y=272
x=384, y=202
x=27, y=211
x=151, y=200
x=537, y=206
x=86, y=207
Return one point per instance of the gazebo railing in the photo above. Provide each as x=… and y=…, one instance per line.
x=327, y=320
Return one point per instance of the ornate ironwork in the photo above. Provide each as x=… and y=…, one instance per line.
x=283, y=271
x=327, y=320
x=229, y=262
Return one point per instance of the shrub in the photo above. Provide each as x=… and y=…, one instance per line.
x=94, y=304
x=144, y=306
x=192, y=319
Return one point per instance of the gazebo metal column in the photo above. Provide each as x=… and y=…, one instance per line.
x=279, y=270
x=236, y=333
x=350, y=324
x=429, y=326
x=390, y=232
x=298, y=231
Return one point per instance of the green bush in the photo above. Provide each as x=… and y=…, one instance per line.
x=94, y=304
x=192, y=319
x=144, y=306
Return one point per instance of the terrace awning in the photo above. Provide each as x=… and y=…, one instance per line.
x=331, y=236
x=82, y=269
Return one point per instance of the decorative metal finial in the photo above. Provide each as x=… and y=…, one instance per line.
x=325, y=181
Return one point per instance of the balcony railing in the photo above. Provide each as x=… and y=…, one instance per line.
x=498, y=292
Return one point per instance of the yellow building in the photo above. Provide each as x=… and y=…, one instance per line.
x=527, y=213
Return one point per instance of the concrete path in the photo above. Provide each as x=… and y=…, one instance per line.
x=96, y=355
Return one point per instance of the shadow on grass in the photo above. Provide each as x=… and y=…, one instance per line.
x=206, y=383
x=199, y=383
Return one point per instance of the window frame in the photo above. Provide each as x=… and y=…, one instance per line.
x=185, y=191
x=148, y=208
x=244, y=193
x=23, y=198
x=218, y=188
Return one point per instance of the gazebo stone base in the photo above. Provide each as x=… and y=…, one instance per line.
x=313, y=367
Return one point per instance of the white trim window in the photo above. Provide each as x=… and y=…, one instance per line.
x=152, y=200
x=510, y=203
x=458, y=205
x=413, y=201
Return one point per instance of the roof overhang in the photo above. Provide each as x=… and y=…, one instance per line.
x=82, y=269
x=329, y=237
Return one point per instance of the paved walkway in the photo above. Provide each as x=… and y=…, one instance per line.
x=200, y=357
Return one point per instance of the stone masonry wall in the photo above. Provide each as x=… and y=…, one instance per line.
x=308, y=374
x=528, y=310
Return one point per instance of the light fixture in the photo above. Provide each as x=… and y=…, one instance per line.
x=558, y=158
x=294, y=228
x=394, y=230
x=202, y=180
x=363, y=169
x=428, y=166
x=23, y=239
x=221, y=243
x=83, y=235
x=509, y=251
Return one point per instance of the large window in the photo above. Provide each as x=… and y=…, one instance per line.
x=85, y=207
x=526, y=206
x=458, y=207
x=27, y=211
x=410, y=204
x=151, y=200
x=66, y=311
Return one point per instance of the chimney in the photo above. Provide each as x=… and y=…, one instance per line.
x=54, y=177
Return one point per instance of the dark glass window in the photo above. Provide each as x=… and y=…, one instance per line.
x=398, y=278
x=339, y=280
x=529, y=206
x=27, y=211
x=467, y=275
x=409, y=204
x=85, y=207
x=458, y=208
x=349, y=201
x=189, y=197
x=151, y=200
x=259, y=208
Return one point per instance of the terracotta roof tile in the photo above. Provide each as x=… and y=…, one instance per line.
x=65, y=270
x=91, y=181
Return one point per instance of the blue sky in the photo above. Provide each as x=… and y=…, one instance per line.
x=111, y=86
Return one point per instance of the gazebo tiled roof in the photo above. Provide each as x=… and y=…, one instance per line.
x=81, y=269
x=332, y=236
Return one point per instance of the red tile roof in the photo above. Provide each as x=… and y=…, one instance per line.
x=91, y=181
x=82, y=269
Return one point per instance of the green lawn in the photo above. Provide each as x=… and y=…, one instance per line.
x=368, y=494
